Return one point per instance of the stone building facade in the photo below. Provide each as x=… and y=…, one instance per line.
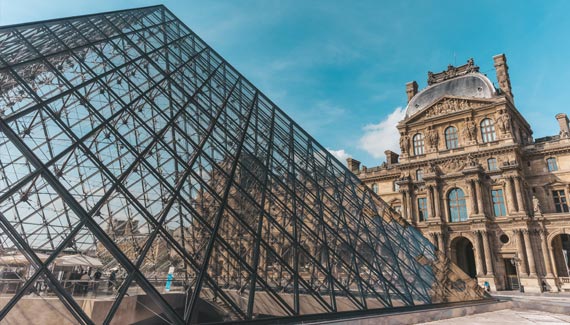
x=473, y=180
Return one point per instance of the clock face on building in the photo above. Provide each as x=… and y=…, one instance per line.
x=473, y=85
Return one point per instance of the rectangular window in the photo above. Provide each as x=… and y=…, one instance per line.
x=498, y=203
x=422, y=209
x=560, y=201
x=552, y=166
x=492, y=164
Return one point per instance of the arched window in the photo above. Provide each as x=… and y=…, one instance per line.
x=451, y=138
x=419, y=175
x=492, y=164
x=551, y=163
x=375, y=188
x=418, y=141
x=488, y=130
x=457, y=206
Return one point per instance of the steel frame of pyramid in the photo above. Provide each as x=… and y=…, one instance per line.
x=125, y=137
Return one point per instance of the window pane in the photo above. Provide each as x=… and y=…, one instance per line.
x=552, y=166
x=498, y=203
x=422, y=209
x=487, y=130
x=492, y=164
x=418, y=141
x=457, y=206
x=375, y=188
x=451, y=138
x=560, y=201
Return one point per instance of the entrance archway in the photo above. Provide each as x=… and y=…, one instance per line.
x=561, y=249
x=464, y=256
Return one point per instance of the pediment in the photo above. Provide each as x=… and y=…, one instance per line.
x=449, y=105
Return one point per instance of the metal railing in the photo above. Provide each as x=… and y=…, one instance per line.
x=88, y=288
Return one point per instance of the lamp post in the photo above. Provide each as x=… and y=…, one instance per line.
x=516, y=261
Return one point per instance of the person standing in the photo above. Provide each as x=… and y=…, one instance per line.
x=97, y=278
x=112, y=279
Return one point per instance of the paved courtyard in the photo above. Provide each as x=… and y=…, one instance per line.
x=509, y=316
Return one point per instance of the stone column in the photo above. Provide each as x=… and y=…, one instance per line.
x=429, y=203
x=471, y=188
x=520, y=252
x=405, y=205
x=437, y=202
x=529, y=253
x=554, y=267
x=440, y=242
x=478, y=255
x=546, y=252
x=410, y=204
x=480, y=207
x=519, y=191
x=509, y=197
x=488, y=254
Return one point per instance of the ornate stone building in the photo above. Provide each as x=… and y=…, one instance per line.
x=473, y=180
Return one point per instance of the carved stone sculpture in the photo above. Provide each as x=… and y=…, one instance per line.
x=504, y=123
x=404, y=143
x=536, y=205
x=470, y=130
x=432, y=138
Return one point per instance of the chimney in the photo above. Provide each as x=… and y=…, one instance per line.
x=391, y=157
x=503, y=78
x=353, y=165
x=411, y=89
x=563, y=123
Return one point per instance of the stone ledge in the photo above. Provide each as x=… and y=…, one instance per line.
x=430, y=315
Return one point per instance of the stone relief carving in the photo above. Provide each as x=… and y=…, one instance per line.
x=504, y=122
x=453, y=165
x=432, y=168
x=471, y=160
x=447, y=106
x=470, y=130
x=471, y=67
x=432, y=137
x=452, y=72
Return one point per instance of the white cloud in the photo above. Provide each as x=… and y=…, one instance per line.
x=340, y=154
x=382, y=136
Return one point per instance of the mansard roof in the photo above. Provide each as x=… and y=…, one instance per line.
x=470, y=85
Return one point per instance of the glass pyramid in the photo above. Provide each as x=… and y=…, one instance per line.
x=131, y=150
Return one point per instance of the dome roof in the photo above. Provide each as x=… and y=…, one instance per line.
x=475, y=85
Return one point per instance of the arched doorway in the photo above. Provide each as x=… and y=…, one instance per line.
x=561, y=250
x=463, y=255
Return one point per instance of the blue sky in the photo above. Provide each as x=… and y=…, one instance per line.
x=339, y=68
